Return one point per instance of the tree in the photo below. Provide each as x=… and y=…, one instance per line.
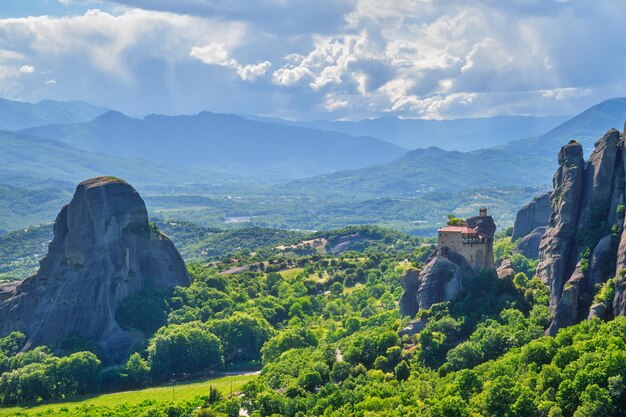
x=336, y=289
x=402, y=371
x=340, y=371
x=77, y=374
x=242, y=335
x=184, y=348
x=309, y=380
x=138, y=370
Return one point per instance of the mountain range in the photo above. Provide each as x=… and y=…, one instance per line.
x=275, y=161
x=586, y=127
x=208, y=140
x=452, y=135
x=15, y=115
x=27, y=160
x=523, y=162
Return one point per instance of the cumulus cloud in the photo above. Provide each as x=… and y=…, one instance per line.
x=27, y=69
x=216, y=54
x=106, y=54
x=344, y=59
x=51, y=82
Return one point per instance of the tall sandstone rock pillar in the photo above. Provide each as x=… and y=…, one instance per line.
x=558, y=243
x=103, y=251
x=579, y=249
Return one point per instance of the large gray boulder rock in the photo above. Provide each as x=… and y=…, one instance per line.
x=441, y=280
x=103, y=251
x=505, y=269
x=557, y=258
x=529, y=244
x=533, y=215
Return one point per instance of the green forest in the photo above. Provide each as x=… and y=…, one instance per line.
x=326, y=333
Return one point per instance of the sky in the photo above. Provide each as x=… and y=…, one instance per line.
x=316, y=59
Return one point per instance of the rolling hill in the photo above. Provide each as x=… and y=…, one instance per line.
x=432, y=169
x=16, y=115
x=31, y=161
x=207, y=140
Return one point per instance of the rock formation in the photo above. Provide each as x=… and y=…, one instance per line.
x=579, y=250
x=529, y=244
x=441, y=280
x=533, y=215
x=103, y=251
x=442, y=277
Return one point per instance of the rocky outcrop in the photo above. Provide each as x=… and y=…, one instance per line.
x=577, y=295
x=441, y=280
x=408, y=300
x=505, y=269
x=103, y=250
x=529, y=244
x=557, y=257
x=581, y=247
x=532, y=216
x=461, y=254
x=486, y=227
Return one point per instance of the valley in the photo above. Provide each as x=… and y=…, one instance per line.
x=333, y=285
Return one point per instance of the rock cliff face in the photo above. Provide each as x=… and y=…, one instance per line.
x=442, y=277
x=582, y=248
x=103, y=251
x=533, y=215
x=441, y=280
x=529, y=244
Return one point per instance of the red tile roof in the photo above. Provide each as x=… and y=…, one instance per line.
x=458, y=229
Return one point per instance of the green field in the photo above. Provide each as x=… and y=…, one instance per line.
x=182, y=391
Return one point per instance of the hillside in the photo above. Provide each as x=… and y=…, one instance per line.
x=16, y=115
x=586, y=128
x=20, y=207
x=29, y=159
x=432, y=169
x=207, y=140
x=453, y=135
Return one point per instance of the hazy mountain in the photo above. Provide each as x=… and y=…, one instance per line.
x=432, y=169
x=16, y=115
x=29, y=160
x=523, y=162
x=452, y=135
x=226, y=141
x=586, y=127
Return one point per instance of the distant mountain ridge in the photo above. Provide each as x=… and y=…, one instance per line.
x=586, y=127
x=432, y=169
x=265, y=150
x=524, y=162
x=452, y=135
x=31, y=160
x=17, y=115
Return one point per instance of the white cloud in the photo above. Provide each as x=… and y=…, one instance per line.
x=110, y=41
x=344, y=59
x=566, y=92
x=27, y=69
x=51, y=82
x=217, y=54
